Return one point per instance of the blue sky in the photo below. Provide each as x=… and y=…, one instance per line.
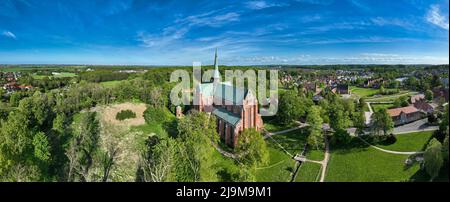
x=165, y=32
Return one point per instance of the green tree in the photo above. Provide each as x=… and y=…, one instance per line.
x=401, y=102
x=433, y=158
x=159, y=160
x=382, y=122
x=196, y=135
x=41, y=147
x=291, y=107
x=252, y=148
x=83, y=147
x=315, y=138
x=429, y=95
x=243, y=174
x=360, y=121
x=445, y=148
x=339, y=119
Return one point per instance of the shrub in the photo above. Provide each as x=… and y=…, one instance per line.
x=125, y=114
x=156, y=115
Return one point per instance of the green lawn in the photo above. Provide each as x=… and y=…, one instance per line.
x=316, y=155
x=224, y=166
x=274, y=126
x=389, y=98
x=408, y=142
x=363, y=92
x=293, y=141
x=376, y=107
x=110, y=83
x=60, y=75
x=149, y=129
x=308, y=172
x=365, y=164
x=279, y=168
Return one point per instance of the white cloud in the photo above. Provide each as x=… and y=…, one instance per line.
x=317, y=2
x=435, y=17
x=380, y=21
x=9, y=34
x=169, y=35
x=210, y=19
x=257, y=5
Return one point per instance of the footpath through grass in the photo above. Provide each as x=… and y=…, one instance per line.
x=408, y=142
x=279, y=168
x=293, y=141
x=361, y=163
x=308, y=172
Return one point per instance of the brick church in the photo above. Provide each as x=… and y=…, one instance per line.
x=235, y=108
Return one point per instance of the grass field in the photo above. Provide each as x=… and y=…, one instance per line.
x=363, y=92
x=279, y=168
x=59, y=75
x=389, y=98
x=308, y=172
x=316, y=155
x=274, y=126
x=110, y=83
x=408, y=142
x=293, y=141
x=361, y=163
x=376, y=107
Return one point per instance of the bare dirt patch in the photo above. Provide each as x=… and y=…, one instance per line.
x=116, y=136
x=108, y=114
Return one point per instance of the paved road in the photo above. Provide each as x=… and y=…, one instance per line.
x=325, y=160
x=417, y=126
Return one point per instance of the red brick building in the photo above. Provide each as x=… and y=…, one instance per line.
x=235, y=109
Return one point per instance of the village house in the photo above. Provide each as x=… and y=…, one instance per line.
x=373, y=83
x=425, y=107
x=235, y=108
x=405, y=115
x=417, y=98
x=440, y=93
x=342, y=89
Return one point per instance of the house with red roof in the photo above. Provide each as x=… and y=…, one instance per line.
x=405, y=115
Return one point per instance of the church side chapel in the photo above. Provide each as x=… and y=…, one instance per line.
x=235, y=108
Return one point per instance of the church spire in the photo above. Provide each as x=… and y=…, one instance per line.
x=216, y=68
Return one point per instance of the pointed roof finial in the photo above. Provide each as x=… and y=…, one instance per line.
x=216, y=68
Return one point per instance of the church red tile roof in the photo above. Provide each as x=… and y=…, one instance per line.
x=398, y=111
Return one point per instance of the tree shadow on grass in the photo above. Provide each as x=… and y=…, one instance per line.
x=293, y=141
x=224, y=175
x=171, y=127
x=355, y=145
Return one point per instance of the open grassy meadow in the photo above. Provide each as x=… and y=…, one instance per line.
x=361, y=163
x=308, y=172
x=408, y=142
x=279, y=168
x=363, y=92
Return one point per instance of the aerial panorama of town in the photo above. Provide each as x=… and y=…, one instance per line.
x=224, y=91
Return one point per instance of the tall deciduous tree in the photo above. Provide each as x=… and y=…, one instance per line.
x=429, y=95
x=382, y=122
x=291, y=107
x=252, y=148
x=83, y=147
x=158, y=162
x=315, y=138
x=433, y=158
x=197, y=134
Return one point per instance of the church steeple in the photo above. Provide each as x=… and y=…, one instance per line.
x=216, y=69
